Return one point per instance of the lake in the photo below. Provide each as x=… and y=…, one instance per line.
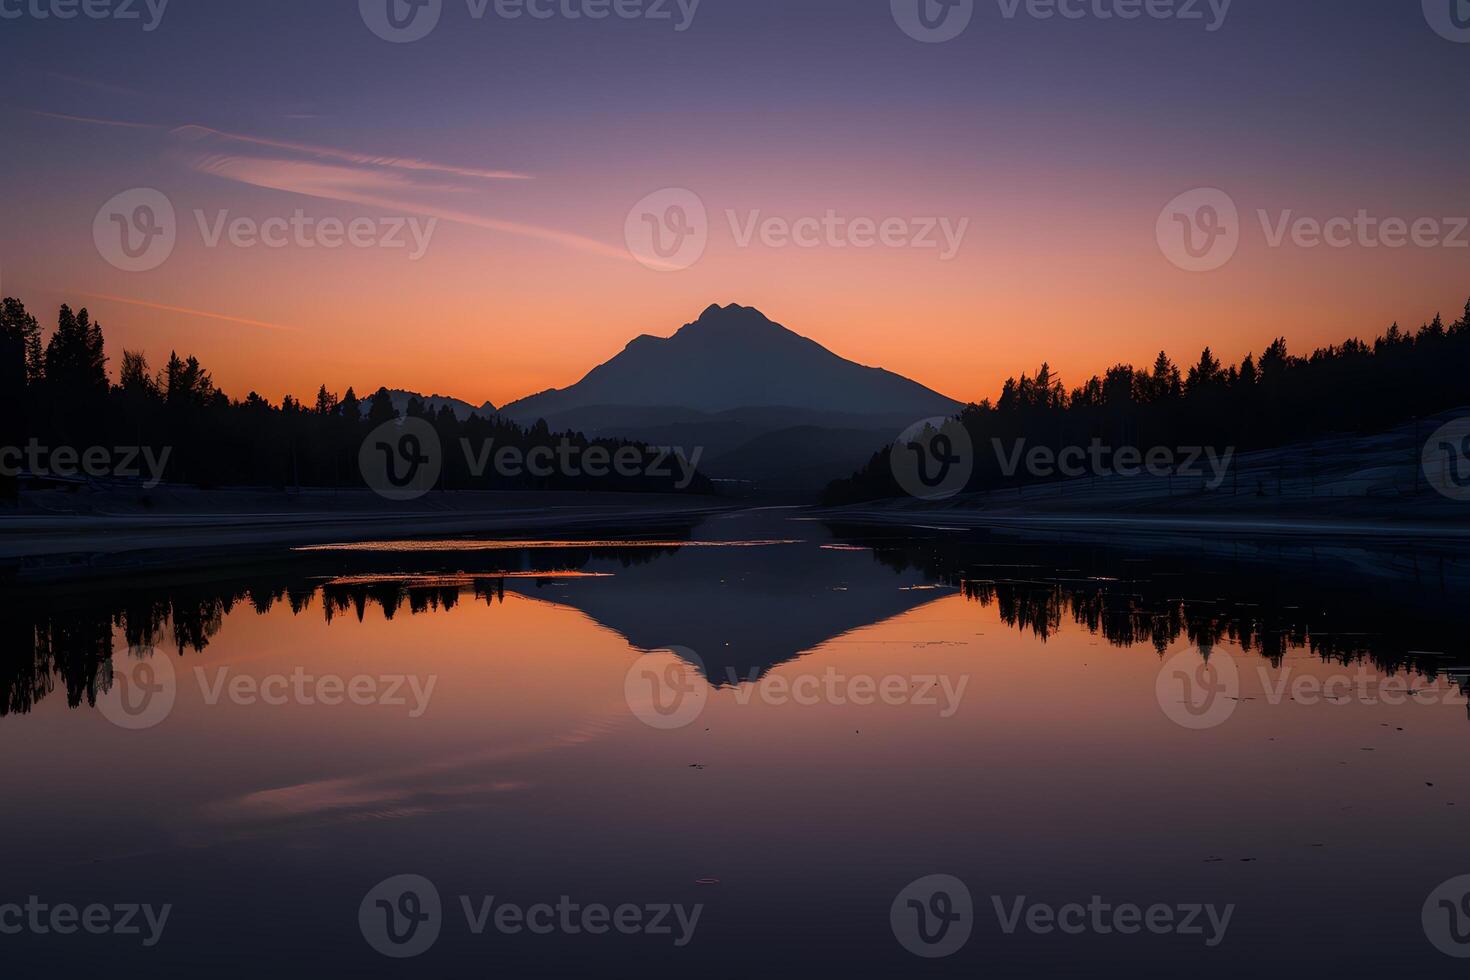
x=757, y=744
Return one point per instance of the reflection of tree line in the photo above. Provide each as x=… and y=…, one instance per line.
x=72, y=645
x=1122, y=602
x=354, y=599
x=44, y=643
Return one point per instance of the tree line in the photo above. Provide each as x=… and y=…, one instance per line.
x=1274, y=400
x=56, y=390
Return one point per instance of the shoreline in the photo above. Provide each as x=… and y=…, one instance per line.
x=938, y=518
x=207, y=530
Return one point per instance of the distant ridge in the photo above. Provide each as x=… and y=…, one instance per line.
x=461, y=409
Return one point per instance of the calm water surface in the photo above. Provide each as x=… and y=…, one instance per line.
x=781, y=723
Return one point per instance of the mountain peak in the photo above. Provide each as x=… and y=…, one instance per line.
x=736, y=357
x=730, y=317
x=730, y=312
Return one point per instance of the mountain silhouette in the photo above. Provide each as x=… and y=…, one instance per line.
x=461, y=409
x=770, y=409
x=733, y=357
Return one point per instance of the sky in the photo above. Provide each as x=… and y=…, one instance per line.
x=1027, y=174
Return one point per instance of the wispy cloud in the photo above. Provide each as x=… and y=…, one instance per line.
x=379, y=190
x=93, y=121
x=392, y=183
x=195, y=133
x=185, y=311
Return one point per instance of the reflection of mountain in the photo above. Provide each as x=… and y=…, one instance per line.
x=748, y=610
x=741, y=609
x=769, y=404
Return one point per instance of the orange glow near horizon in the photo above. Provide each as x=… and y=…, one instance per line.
x=963, y=344
x=526, y=284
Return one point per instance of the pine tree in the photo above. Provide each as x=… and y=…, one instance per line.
x=1118, y=385
x=381, y=410
x=326, y=401
x=351, y=407
x=15, y=322
x=1205, y=374
x=12, y=400
x=1248, y=373
x=1274, y=362
x=133, y=378
x=94, y=355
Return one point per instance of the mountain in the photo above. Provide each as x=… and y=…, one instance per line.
x=770, y=411
x=462, y=409
x=732, y=358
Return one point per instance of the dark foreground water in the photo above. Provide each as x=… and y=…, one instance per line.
x=760, y=746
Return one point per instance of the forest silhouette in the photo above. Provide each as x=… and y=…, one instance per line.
x=1355, y=387
x=57, y=392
